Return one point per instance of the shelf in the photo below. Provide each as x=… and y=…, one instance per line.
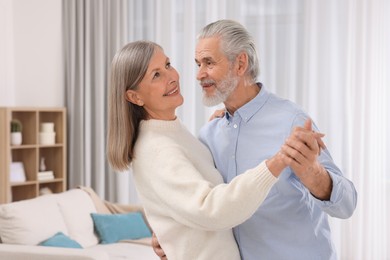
x=50, y=145
x=53, y=180
x=23, y=183
x=23, y=146
x=28, y=157
x=29, y=124
x=31, y=151
x=23, y=192
x=55, y=187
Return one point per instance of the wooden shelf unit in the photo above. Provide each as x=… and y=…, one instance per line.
x=30, y=152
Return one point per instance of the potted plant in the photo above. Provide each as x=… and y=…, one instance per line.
x=16, y=132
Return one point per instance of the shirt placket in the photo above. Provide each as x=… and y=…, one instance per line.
x=234, y=130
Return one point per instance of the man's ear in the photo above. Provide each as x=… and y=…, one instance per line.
x=242, y=61
x=133, y=97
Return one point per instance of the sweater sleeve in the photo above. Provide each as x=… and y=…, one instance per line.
x=191, y=200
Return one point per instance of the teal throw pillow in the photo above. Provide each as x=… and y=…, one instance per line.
x=114, y=227
x=60, y=240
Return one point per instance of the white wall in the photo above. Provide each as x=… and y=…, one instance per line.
x=6, y=54
x=31, y=56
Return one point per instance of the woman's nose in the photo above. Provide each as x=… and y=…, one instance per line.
x=173, y=75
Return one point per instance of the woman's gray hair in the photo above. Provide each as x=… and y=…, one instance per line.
x=234, y=40
x=128, y=68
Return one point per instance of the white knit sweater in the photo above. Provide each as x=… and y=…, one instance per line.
x=187, y=204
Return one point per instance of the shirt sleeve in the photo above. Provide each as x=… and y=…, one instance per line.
x=343, y=198
x=189, y=199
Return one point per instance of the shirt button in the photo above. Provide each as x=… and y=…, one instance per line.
x=235, y=125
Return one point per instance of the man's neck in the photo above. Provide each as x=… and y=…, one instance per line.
x=240, y=96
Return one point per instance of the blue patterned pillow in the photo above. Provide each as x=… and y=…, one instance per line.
x=60, y=240
x=114, y=227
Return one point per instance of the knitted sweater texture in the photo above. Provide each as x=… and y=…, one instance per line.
x=187, y=204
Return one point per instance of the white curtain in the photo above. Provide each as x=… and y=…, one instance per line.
x=331, y=57
x=346, y=81
x=93, y=31
x=368, y=121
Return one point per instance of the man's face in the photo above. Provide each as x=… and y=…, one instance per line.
x=216, y=74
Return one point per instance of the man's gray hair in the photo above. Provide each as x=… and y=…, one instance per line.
x=234, y=40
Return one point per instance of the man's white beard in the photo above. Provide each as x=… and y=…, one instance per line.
x=222, y=91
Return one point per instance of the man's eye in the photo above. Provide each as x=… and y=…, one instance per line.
x=168, y=65
x=156, y=75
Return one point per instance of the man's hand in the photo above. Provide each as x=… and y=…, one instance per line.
x=157, y=248
x=301, y=151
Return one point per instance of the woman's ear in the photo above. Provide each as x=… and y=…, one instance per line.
x=242, y=61
x=134, y=98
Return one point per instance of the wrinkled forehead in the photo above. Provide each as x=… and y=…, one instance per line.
x=208, y=47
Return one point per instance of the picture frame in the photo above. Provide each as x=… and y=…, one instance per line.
x=17, y=173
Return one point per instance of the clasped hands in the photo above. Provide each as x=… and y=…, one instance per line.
x=300, y=152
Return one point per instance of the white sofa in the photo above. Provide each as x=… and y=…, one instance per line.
x=25, y=224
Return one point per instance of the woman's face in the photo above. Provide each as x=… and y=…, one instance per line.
x=159, y=90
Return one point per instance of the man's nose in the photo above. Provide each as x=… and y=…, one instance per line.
x=201, y=73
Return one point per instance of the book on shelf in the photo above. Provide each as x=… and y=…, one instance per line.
x=46, y=175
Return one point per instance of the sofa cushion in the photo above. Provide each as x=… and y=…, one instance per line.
x=76, y=207
x=29, y=222
x=114, y=227
x=60, y=240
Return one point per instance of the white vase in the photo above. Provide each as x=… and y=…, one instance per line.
x=47, y=138
x=16, y=138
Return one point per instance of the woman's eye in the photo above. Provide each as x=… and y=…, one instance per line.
x=156, y=75
x=168, y=65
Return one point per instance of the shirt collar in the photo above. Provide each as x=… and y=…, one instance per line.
x=247, y=111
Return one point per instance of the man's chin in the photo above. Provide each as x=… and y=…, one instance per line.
x=210, y=102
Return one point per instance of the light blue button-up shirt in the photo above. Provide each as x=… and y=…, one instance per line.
x=291, y=223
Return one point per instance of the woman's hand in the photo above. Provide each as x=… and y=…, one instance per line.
x=217, y=114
